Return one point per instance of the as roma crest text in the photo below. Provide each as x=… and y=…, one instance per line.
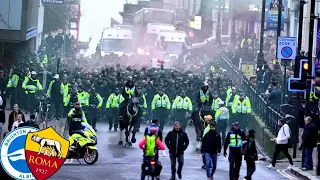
x=45, y=152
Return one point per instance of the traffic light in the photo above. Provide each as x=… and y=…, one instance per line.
x=300, y=84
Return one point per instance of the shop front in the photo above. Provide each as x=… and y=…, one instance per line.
x=247, y=15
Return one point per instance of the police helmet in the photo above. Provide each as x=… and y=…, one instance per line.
x=153, y=130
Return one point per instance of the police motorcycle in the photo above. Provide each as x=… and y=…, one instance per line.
x=150, y=168
x=85, y=141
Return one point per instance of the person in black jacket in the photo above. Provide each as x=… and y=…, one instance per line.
x=210, y=149
x=309, y=141
x=177, y=142
x=251, y=155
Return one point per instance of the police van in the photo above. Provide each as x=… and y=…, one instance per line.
x=153, y=30
x=174, y=41
x=118, y=40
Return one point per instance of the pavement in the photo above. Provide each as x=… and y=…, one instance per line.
x=308, y=175
x=119, y=163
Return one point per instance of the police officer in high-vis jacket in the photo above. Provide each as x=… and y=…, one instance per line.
x=160, y=106
x=215, y=102
x=241, y=108
x=222, y=117
x=112, y=107
x=181, y=106
x=32, y=86
x=234, y=140
x=75, y=117
x=83, y=98
x=128, y=90
x=204, y=96
x=13, y=87
x=70, y=99
x=231, y=96
x=95, y=103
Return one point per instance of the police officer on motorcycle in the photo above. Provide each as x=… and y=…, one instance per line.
x=76, y=116
x=154, y=124
x=151, y=144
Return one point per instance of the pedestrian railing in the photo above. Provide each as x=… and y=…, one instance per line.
x=260, y=106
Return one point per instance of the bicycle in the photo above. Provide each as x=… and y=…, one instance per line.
x=44, y=111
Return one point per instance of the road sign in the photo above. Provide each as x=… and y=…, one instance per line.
x=287, y=48
x=53, y=1
x=247, y=69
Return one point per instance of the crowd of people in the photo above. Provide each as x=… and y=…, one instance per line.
x=165, y=96
x=268, y=84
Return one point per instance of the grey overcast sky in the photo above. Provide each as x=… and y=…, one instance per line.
x=96, y=16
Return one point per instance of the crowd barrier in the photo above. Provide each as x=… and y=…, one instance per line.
x=259, y=105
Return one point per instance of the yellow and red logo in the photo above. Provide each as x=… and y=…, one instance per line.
x=45, y=152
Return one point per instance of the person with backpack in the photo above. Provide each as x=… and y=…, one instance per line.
x=281, y=144
x=250, y=154
x=151, y=144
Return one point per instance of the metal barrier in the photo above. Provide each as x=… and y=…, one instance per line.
x=260, y=106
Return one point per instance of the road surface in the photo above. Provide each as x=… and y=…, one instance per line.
x=119, y=163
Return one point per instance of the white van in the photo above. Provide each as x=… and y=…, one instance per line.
x=153, y=30
x=118, y=40
x=174, y=40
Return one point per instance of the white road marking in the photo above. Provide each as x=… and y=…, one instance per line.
x=68, y=161
x=284, y=174
x=289, y=175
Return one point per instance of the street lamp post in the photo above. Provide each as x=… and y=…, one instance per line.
x=218, y=30
x=261, y=54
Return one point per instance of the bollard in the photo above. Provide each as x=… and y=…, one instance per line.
x=318, y=154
